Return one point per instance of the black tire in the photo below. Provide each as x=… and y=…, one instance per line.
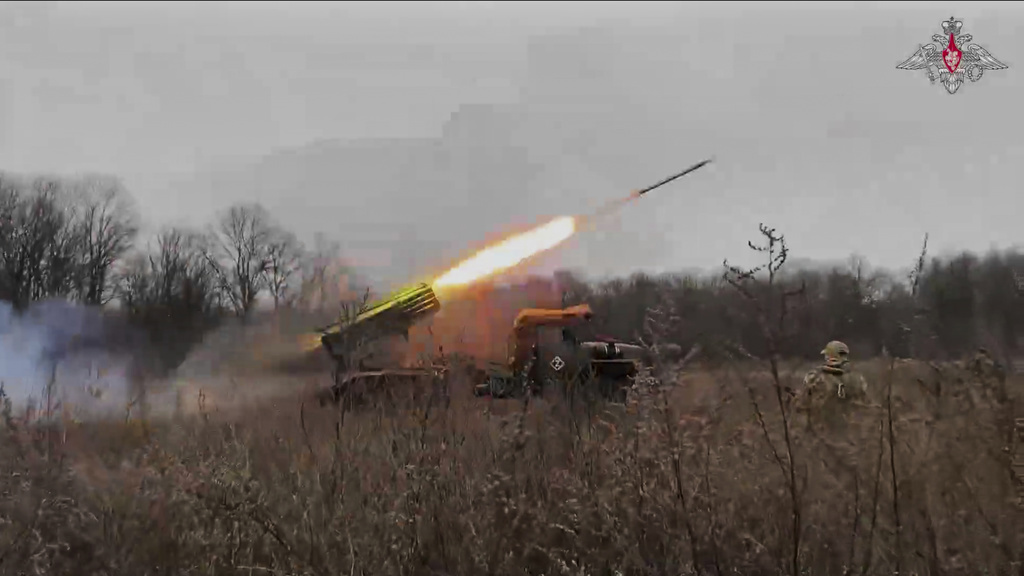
x=619, y=393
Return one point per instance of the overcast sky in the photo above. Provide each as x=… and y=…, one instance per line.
x=813, y=129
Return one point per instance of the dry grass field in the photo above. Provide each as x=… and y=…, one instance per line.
x=700, y=476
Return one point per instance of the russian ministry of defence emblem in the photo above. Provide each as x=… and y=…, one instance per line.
x=951, y=58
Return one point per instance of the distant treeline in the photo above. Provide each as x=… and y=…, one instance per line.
x=78, y=239
x=945, y=308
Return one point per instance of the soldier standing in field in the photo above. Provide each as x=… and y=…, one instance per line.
x=830, y=391
x=833, y=378
x=985, y=367
x=830, y=401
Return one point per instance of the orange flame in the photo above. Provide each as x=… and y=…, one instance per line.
x=508, y=252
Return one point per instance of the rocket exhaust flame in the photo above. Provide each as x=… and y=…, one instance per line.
x=514, y=250
x=508, y=252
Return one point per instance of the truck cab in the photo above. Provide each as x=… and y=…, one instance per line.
x=544, y=349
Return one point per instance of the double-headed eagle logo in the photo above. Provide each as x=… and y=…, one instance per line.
x=954, y=52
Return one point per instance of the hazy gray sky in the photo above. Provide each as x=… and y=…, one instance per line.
x=813, y=129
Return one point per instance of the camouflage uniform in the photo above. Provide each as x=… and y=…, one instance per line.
x=825, y=405
x=986, y=368
x=832, y=382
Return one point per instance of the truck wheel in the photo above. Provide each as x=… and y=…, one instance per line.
x=613, y=390
x=619, y=394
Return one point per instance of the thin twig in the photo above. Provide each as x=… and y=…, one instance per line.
x=892, y=469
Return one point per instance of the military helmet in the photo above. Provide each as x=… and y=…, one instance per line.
x=837, y=354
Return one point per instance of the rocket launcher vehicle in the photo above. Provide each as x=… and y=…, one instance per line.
x=398, y=313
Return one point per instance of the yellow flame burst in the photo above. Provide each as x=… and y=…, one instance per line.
x=508, y=252
x=310, y=342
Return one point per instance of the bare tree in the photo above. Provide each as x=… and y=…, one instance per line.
x=108, y=226
x=61, y=269
x=171, y=292
x=39, y=257
x=174, y=278
x=284, y=255
x=10, y=197
x=239, y=253
x=318, y=267
x=60, y=238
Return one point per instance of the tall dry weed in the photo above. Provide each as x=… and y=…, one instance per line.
x=679, y=481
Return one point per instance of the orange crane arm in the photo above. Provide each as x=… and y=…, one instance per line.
x=536, y=317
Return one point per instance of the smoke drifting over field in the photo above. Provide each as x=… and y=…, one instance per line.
x=72, y=346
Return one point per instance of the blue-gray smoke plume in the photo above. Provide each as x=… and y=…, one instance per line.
x=67, y=344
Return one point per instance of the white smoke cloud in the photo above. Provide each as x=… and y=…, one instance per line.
x=67, y=344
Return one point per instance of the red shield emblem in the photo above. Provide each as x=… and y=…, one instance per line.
x=951, y=56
